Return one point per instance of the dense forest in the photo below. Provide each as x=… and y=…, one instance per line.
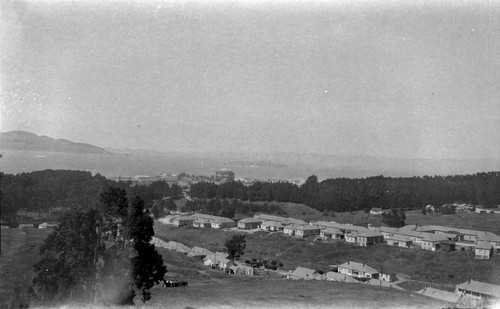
x=229, y=208
x=49, y=189
x=344, y=194
x=42, y=191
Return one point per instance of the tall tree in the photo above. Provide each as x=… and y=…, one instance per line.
x=235, y=246
x=147, y=263
x=101, y=255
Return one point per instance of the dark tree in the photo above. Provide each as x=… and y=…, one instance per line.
x=155, y=210
x=70, y=258
x=97, y=255
x=115, y=202
x=394, y=218
x=147, y=263
x=235, y=246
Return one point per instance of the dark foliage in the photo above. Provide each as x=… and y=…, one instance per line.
x=48, y=190
x=394, y=218
x=235, y=246
x=100, y=254
x=228, y=208
x=344, y=194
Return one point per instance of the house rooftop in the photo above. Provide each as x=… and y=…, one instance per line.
x=303, y=272
x=440, y=294
x=307, y=227
x=370, y=233
x=250, y=220
x=400, y=238
x=481, y=288
x=484, y=245
x=331, y=275
x=359, y=267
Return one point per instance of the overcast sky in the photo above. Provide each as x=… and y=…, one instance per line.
x=403, y=80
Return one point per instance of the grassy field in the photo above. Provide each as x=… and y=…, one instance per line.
x=209, y=288
x=19, y=253
x=259, y=292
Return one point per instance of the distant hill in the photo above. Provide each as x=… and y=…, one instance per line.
x=27, y=141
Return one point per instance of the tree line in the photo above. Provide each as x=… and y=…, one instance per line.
x=52, y=189
x=230, y=207
x=351, y=194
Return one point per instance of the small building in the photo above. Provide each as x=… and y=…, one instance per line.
x=290, y=229
x=303, y=231
x=440, y=294
x=399, y=241
x=351, y=237
x=47, y=225
x=368, y=238
x=358, y=270
x=303, y=273
x=334, y=276
x=382, y=283
x=272, y=226
x=177, y=246
x=432, y=242
x=199, y=252
x=241, y=269
x=223, y=223
x=331, y=233
x=202, y=223
x=249, y=223
x=377, y=211
x=217, y=260
x=184, y=221
x=478, y=290
x=483, y=250
x=387, y=277
x=224, y=175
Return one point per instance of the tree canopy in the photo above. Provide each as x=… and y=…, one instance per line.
x=235, y=246
x=100, y=254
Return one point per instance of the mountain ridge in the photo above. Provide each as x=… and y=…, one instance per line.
x=28, y=141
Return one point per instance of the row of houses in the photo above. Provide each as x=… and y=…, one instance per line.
x=430, y=238
x=349, y=272
x=204, y=221
x=354, y=272
x=471, y=293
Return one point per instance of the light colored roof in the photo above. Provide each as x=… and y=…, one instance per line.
x=370, y=233
x=376, y=209
x=197, y=251
x=480, y=287
x=359, y=267
x=332, y=231
x=292, y=227
x=223, y=220
x=399, y=238
x=271, y=223
x=217, y=257
x=283, y=220
x=384, y=284
x=440, y=294
x=185, y=218
x=212, y=218
x=302, y=272
x=434, y=237
x=484, y=245
x=199, y=220
x=250, y=220
x=340, y=277
x=308, y=227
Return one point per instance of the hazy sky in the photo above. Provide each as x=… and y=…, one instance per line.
x=403, y=79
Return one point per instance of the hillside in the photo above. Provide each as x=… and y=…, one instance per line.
x=27, y=141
